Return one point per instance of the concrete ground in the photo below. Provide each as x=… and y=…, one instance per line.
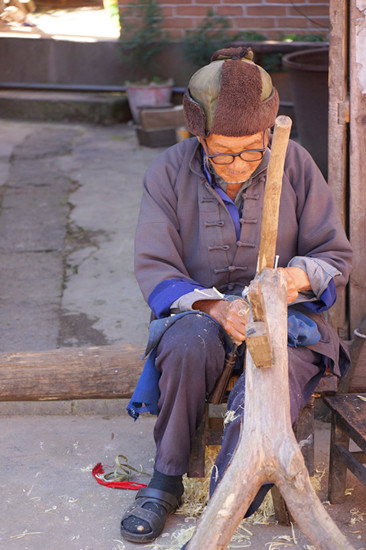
x=83, y=24
x=69, y=202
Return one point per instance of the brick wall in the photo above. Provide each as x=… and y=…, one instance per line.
x=274, y=18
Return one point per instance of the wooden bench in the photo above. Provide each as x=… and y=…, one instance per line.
x=348, y=422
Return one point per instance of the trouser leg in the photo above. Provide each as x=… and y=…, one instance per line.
x=305, y=370
x=190, y=357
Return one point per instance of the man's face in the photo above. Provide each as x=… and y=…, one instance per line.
x=239, y=170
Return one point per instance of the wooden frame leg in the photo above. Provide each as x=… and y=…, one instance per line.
x=196, y=466
x=337, y=469
x=282, y=513
x=304, y=432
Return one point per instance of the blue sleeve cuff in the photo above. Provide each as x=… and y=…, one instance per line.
x=166, y=292
x=326, y=300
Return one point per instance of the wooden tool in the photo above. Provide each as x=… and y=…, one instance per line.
x=257, y=340
x=272, y=193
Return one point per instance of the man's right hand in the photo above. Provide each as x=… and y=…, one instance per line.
x=231, y=315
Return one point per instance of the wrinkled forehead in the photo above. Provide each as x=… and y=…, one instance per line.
x=254, y=141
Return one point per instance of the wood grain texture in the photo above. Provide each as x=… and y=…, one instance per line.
x=357, y=161
x=272, y=193
x=70, y=373
x=338, y=144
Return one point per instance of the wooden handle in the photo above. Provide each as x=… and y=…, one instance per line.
x=272, y=193
x=218, y=393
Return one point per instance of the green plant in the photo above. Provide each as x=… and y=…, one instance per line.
x=211, y=35
x=295, y=37
x=142, y=37
x=252, y=36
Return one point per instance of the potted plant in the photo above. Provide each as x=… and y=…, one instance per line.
x=142, y=39
x=211, y=35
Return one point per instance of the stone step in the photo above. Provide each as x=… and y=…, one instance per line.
x=61, y=106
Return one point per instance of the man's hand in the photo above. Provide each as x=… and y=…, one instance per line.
x=232, y=316
x=297, y=281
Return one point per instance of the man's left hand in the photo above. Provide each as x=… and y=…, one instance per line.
x=297, y=281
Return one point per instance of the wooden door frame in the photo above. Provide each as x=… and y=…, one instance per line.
x=347, y=138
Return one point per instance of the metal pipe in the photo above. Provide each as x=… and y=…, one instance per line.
x=54, y=87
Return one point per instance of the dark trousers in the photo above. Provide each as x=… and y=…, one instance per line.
x=190, y=357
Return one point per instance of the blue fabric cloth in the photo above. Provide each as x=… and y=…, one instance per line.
x=165, y=293
x=233, y=211
x=302, y=331
x=326, y=300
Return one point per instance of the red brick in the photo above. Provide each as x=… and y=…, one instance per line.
x=167, y=11
x=191, y=10
x=253, y=23
x=263, y=11
x=272, y=35
x=176, y=2
x=230, y=11
x=292, y=23
x=308, y=10
x=234, y=3
x=179, y=22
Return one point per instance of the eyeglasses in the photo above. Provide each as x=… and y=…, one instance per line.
x=249, y=155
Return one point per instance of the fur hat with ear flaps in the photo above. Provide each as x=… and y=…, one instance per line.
x=232, y=96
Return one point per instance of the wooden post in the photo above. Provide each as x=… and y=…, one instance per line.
x=357, y=160
x=337, y=468
x=267, y=449
x=337, y=133
x=70, y=373
x=272, y=193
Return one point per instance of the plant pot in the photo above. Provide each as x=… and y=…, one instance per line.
x=308, y=70
x=148, y=95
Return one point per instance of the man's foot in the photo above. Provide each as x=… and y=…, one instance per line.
x=145, y=520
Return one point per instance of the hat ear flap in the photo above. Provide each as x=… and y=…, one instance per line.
x=194, y=115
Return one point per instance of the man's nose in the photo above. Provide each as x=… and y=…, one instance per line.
x=238, y=161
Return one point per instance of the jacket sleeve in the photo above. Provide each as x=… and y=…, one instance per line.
x=159, y=264
x=320, y=230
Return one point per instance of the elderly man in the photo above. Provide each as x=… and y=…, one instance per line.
x=197, y=243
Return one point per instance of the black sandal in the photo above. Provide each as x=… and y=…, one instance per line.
x=166, y=504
